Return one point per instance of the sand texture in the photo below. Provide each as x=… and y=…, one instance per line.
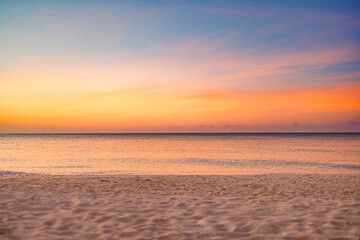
x=275, y=206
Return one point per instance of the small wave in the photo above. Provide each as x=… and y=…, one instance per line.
x=262, y=163
x=14, y=173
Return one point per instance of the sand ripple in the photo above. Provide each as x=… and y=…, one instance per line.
x=275, y=206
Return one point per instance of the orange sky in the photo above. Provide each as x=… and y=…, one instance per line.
x=178, y=67
x=148, y=107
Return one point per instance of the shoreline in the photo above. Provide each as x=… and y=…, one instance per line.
x=265, y=206
x=14, y=173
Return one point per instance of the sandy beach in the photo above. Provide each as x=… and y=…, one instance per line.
x=274, y=206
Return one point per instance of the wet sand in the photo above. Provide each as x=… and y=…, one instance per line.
x=274, y=206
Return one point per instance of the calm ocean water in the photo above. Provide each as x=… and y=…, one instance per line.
x=179, y=153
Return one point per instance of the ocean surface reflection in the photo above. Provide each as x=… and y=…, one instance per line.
x=179, y=153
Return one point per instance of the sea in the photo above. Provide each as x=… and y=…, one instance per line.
x=180, y=154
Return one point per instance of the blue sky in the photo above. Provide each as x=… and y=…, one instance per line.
x=73, y=48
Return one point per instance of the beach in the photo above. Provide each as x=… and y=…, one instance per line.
x=179, y=120
x=268, y=206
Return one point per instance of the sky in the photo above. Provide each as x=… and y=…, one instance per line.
x=179, y=66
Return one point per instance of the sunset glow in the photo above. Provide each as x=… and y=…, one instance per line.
x=179, y=66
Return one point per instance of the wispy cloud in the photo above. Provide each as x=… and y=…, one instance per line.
x=124, y=65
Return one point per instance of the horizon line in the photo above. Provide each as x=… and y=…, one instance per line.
x=78, y=133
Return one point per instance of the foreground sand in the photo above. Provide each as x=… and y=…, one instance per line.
x=276, y=206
